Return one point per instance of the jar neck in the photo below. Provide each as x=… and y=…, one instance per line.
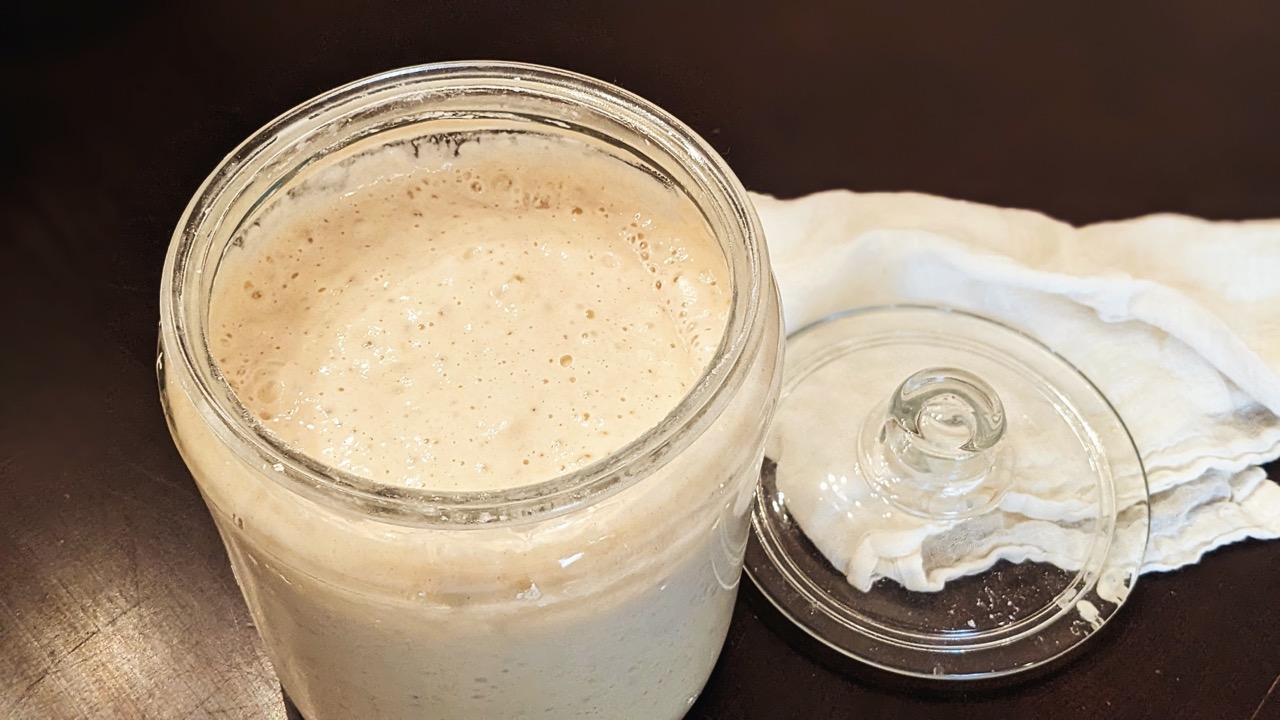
x=419, y=101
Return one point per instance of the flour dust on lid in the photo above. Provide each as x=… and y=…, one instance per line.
x=943, y=496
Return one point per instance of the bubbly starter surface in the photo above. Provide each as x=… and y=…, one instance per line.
x=497, y=315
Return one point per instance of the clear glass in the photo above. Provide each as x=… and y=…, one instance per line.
x=984, y=517
x=606, y=592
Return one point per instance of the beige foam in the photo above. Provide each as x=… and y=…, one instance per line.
x=470, y=320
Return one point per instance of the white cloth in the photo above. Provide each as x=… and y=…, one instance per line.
x=1175, y=319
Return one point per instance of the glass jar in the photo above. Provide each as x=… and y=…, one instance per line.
x=605, y=592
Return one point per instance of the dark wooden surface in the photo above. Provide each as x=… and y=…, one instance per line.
x=116, y=599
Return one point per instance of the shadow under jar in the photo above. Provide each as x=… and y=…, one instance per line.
x=601, y=591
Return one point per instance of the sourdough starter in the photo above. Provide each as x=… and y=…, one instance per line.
x=501, y=318
x=480, y=313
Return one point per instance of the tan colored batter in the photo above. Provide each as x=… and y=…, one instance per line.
x=481, y=324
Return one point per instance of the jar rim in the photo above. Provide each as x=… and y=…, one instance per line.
x=184, y=331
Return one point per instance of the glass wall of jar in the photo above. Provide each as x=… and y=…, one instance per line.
x=604, y=592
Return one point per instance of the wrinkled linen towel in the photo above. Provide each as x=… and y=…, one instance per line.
x=1175, y=319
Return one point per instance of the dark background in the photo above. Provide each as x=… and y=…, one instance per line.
x=116, y=599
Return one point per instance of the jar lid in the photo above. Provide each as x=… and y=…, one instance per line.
x=943, y=496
